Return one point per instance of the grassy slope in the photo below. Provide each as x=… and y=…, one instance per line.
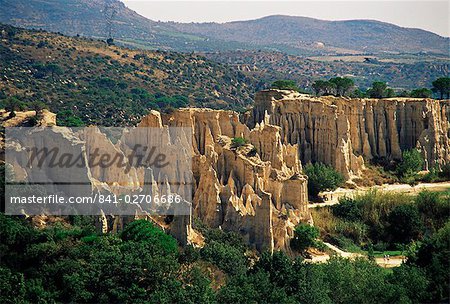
x=85, y=63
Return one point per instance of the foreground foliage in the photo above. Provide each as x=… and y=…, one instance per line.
x=68, y=262
x=322, y=177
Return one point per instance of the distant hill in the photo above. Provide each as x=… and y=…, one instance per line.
x=295, y=35
x=367, y=36
x=400, y=72
x=108, y=85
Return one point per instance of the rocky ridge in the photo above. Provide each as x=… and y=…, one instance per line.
x=345, y=133
x=255, y=186
x=255, y=189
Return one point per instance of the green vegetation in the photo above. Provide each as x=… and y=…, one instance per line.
x=284, y=85
x=343, y=85
x=405, y=75
x=386, y=220
x=85, y=81
x=238, y=142
x=421, y=93
x=322, y=178
x=338, y=86
x=411, y=163
x=380, y=89
x=323, y=87
x=69, y=262
x=442, y=86
x=305, y=236
x=407, y=170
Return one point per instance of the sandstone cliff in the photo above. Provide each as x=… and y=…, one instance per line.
x=255, y=186
x=255, y=189
x=345, y=132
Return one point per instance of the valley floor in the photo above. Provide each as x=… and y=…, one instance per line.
x=332, y=197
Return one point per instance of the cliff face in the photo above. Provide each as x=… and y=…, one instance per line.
x=255, y=189
x=255, y=186
x=346, y=132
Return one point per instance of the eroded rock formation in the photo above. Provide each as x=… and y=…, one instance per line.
x=254, y=185
x=345, y=132
x=255, y=189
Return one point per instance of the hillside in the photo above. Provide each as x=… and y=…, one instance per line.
x=101, y=19
x=295, y=35
x=306, y=34
x=400, y=74
x=109, y=85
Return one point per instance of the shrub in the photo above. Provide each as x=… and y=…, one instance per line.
x=412, y=162
x=405, y=224
x=238, y=142
x=347, y=209
x=322, y=178
x=284, y=85
x=145, y=231
x=304, y=237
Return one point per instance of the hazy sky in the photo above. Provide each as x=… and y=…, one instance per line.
x=428, y=15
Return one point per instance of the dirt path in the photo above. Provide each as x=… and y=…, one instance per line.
x=394, y=261
x=332, y=197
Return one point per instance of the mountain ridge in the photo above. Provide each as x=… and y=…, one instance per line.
x=296, y=31
x=289, y=34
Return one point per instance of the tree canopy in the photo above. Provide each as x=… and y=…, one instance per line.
x=442, y=86
x=284, y=85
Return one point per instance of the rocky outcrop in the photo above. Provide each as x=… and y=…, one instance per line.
x=345, y=132
x=255, y=189
x=254, y=185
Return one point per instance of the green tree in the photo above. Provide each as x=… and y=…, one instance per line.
x=284, y=85
x=304, y=237
x=411, y=163
x=442, y=86
x=410, y=283
x=323, y=87
x=13, y=104
x=54, y=69
x=238, y=142
x=405, y=224
x=347, y=209
x=421, y=93
x=322, y=178
x=378, y=89
x=145, y=231
x=343, y=85
x=433, y=257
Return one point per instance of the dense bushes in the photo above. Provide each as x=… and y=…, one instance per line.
x=284, y=85
x=384, y=219
x=304, y=237
x=411, y=163
x=69, y=263
x=322, y=178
